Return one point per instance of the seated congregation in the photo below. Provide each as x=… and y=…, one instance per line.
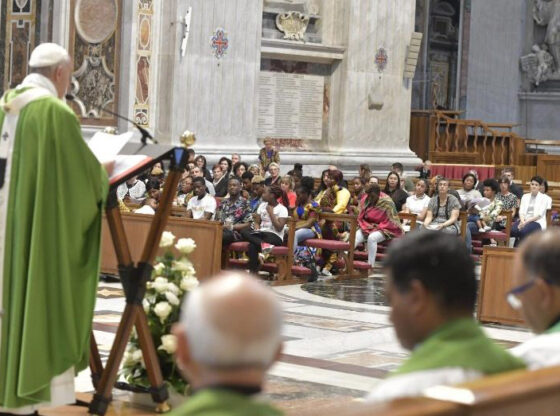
x=299, y=227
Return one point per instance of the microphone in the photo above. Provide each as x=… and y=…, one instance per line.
x=145, y=133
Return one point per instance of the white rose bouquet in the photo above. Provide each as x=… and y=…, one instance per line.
x=171, y=279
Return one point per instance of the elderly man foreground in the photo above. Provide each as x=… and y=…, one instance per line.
x=228, y=337
x=537, y=295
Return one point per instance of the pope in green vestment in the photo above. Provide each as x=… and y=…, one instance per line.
x=53, y=212
x=222, y=402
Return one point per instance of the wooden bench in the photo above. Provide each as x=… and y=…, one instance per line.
x=515, y=393
x=207, y=235
x=344, y=249
x=283, y=265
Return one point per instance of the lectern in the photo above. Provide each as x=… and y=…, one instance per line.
x=134, y=276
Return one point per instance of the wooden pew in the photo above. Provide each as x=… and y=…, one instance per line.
x=345, y=250
x=416, y=406
x=495, y=282
x=516, y=393
x=207, y=235
x=283, y=265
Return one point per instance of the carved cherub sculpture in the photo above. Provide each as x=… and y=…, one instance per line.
x=539, y=64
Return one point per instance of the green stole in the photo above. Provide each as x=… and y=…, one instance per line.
x=554, y=328
x=221, y=402
x=459, y=343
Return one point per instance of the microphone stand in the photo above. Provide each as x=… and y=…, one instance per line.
x=145, y=133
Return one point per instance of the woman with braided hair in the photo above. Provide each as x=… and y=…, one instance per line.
x=268, y=225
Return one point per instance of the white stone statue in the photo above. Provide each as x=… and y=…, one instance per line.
x=547, y=13
x=539, y=65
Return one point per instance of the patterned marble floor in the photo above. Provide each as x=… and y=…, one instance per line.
x=335, y=350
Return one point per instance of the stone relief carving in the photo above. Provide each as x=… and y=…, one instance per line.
x=543, y=63
x=292, y=24
x=93, y=84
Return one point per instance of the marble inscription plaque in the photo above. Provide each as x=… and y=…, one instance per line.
x=291, y=105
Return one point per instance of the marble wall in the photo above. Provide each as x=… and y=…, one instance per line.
x=216, y=97
x=497, y=37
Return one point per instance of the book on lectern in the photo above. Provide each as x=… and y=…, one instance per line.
x=108, y=148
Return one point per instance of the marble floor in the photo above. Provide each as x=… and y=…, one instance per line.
x=338, y=343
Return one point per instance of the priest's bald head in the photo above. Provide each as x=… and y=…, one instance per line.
x=54, y=62
x=230, y=332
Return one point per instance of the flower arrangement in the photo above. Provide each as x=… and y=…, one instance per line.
x=171, y=279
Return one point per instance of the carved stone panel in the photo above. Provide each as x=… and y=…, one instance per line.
x=95, y=46
x=19, y=34
x=144, y=47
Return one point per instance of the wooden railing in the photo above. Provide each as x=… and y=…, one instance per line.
x=473, y=141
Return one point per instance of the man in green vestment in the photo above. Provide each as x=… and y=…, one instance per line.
x=52, y=191
x=431, y=288
x=228, y=337
x=537, y=295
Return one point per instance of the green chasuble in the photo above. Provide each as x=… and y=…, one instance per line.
x=554, y=329
x=460, y=343
x=220, y=402
x=52, y=250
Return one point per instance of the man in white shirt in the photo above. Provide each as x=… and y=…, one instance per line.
x=197, y=173
x=201, y=205
x=537, y=296
x=268, y=227
x=132, y=189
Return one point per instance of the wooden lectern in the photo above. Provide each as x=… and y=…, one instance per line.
x=134, y=277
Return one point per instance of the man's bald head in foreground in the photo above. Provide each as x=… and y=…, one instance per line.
x=54, y=62
x=537, y=279
x=230, y=331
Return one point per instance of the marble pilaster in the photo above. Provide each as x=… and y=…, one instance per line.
x=217, y=97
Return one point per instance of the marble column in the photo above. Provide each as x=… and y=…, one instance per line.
x=358, y=134
x=217, y=97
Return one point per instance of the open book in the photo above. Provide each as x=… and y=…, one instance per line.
x=106, y=148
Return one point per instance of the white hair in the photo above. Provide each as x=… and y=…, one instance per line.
x=218, y=348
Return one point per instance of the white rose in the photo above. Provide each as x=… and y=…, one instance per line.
x=160, y=284
x=172, y=287
x=171, y=298
x=127, y=359
x=159, y=268
x=184, y=266
x=136, y=356
x=185, y=245
x=188, y=283
x=168, y=344
x=146, y=305
x=167, y=239
x=162, y=310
